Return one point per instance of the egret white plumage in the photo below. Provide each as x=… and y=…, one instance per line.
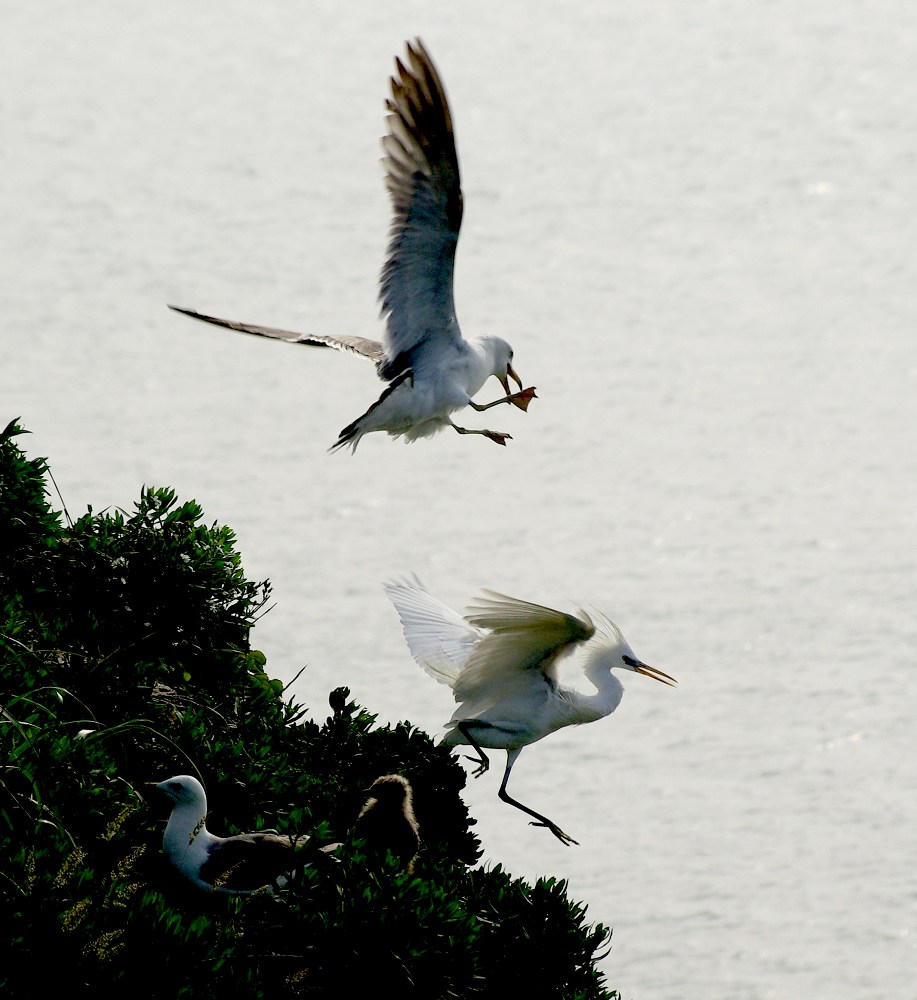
x=431, y=369
x=500, y=660
x=239, y=865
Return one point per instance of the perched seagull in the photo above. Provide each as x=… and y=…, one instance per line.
x=387, y=820
x=431, y=369
x=238, y=865
x=500, y=660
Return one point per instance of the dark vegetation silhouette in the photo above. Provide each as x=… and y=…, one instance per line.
x=124, y=659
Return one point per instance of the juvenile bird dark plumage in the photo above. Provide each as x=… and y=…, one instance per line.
x=387, y=820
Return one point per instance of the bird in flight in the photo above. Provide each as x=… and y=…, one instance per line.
x=500, y=660
x=431, y=370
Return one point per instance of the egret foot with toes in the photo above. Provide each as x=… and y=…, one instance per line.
x=564, y=838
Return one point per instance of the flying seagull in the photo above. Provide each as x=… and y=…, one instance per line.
x=239, y=865
x=387, y=820
x=430, y=369
x=500, y=660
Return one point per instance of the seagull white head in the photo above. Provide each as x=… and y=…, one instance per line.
x=184, y=790
x=501, y=355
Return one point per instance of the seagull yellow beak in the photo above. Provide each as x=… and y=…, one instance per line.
x=512, y=374
x=648, y=671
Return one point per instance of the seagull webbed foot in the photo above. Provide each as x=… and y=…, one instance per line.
x=522, y=399
x=494, y=436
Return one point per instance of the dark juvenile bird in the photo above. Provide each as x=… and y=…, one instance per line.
x=387, y=820
x=500, y=660
x=238, y=865
x=431, y=370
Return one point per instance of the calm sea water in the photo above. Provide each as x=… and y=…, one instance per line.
x=696, y=224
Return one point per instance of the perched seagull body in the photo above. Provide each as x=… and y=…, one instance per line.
x=500, y=660
x=431, y=369
x=238, y=865
x=387, y=820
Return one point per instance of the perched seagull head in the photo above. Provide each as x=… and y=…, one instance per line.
x=184, y=790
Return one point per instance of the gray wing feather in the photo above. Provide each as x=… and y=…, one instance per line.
x=372, y=350
x=422, y=177
x=248, y=861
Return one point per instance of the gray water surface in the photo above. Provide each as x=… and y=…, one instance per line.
x=696, y=224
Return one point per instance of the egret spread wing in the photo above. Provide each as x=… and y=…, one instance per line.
x=439, y=639
x=522, y=637
x=422, y=177
x=372, y=350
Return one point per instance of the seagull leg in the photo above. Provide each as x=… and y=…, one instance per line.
x=520, y=399
x=494, y=436
x=564, y=838
x=482, y=759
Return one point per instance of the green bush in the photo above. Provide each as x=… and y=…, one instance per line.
x=124, y=659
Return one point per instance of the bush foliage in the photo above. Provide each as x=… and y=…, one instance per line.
x=125, y=659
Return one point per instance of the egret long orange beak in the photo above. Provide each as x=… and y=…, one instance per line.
x=648, y=671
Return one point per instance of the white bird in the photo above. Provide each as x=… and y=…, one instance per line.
x=239, y=865
x=500, y=660
x=431, y=369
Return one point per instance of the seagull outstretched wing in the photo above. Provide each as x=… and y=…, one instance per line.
x=422, y=177
x=372, y=350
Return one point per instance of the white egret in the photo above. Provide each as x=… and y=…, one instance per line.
x=431, y=369
x=239, y=865
x=500, y=660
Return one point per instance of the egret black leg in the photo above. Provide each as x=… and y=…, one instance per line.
x=564, y=838
x=482, y=759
